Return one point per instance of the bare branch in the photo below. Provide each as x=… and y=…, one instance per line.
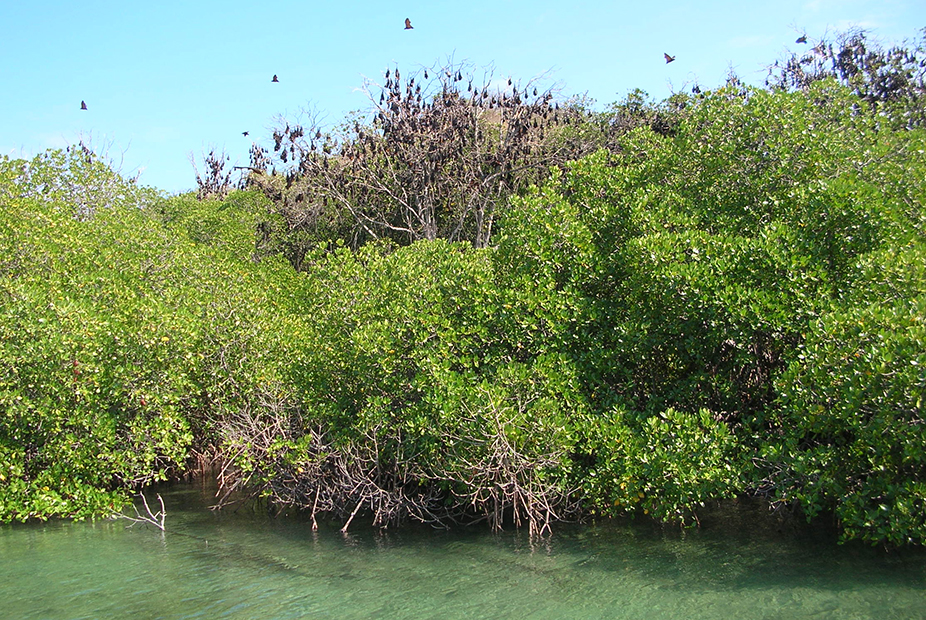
x=152, y=518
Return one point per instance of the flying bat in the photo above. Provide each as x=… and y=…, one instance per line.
x=668, y=58
x=275, y=79
x=83, y=106
x=802, y=39
x=244, y=133
x=408, y=24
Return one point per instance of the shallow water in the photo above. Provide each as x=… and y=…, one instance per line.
x=245, y=564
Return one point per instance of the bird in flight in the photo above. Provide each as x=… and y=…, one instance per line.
x=802, y=39
x=83, y=106
x=408, y=24
x=668, y=58
x=244, y=133
x=275, y=79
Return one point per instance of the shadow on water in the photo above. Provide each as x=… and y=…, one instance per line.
x=245, y=564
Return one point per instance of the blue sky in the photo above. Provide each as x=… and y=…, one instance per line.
x=168, y=79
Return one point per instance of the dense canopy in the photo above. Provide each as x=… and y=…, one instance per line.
x=548, y=312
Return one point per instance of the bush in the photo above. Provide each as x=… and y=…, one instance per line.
x=122, y=339
x=695, y=272
x=852, y=415
x=667, y=466
x=413, y=400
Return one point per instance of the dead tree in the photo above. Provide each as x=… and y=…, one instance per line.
x=438, y=157
x=215, y=181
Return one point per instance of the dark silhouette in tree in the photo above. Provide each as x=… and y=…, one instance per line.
x=891, y=81
x=214, y=182
x=436, y=160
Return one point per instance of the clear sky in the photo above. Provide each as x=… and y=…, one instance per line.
x=167, y=79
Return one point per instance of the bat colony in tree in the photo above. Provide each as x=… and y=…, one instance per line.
x=434, y=162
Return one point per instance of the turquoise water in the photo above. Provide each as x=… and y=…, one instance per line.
x=245, y=564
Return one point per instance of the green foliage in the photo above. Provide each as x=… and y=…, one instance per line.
x=121, y=337
x=75, y=180
x=667, y=466
x=695, y=272
x=730, y=298
x=691, y=262
x=416, y=352
x=852, y=415
x=638, y=110
x=227, y=226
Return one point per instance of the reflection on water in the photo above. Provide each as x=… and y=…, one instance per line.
x=246, y=565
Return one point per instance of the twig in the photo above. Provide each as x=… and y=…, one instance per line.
x=154, y=518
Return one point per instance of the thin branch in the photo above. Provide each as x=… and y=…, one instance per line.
x=153, y=518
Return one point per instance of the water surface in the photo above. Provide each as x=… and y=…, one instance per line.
x=246, y=564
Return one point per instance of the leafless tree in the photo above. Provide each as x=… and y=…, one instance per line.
x=215, y=180
x=442, y=152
